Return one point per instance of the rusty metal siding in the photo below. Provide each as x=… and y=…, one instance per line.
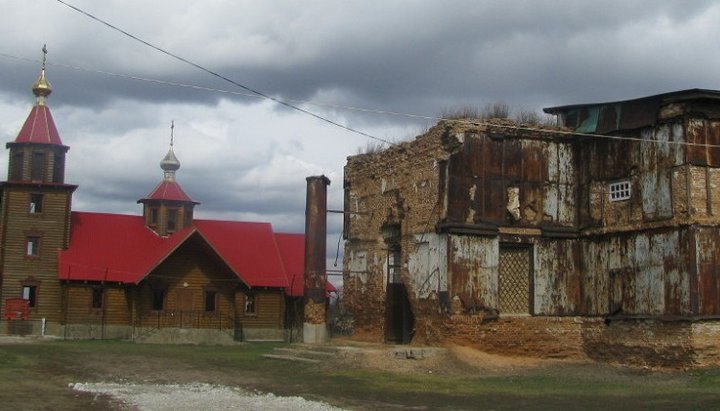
x=653, y=166
x=708, y=261
x=542, y=171
x=427, y=265
x=472, y=271
x=706, y=135
x=592, y=256
x=648, y=269
x=558, y=281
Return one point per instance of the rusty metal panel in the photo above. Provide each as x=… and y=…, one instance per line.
x=557, y=280
x=495, y=200
x=708, y=289
x=427, y=265
x=492, y=157
x=472, y=271
x=532, y=199
x=642, y=273
x=708, y=253
x=701, y=131
x=459, y=182
x=512, y=158
x=534, y=160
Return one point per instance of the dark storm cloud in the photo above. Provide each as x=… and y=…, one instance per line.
x=244, y=157
x=394, y=56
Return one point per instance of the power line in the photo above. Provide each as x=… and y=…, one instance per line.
x=474, y=122
x=224, y=78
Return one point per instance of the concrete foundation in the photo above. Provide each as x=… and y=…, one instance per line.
x=184, y=336
x=314, y=333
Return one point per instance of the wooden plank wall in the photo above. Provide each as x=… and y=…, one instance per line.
x=51, y=226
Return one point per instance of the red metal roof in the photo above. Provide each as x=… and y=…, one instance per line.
x=249, y=249
x=39, y=128
x=292, y=254
x=168, y=190
x=114, y=247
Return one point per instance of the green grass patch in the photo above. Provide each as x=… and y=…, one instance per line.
x=47, y=367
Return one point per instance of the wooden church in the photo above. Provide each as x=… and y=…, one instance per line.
x=161, y=277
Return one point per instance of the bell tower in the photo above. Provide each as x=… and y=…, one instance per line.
x=167, y=208
x=35, y=206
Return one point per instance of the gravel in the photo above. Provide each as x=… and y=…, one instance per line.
x=196, y=396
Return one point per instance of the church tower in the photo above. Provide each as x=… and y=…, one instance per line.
x=35, y=211
x=167, y=208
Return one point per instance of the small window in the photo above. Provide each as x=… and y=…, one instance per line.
x=33, y=247
x=29, y=292
x=620, y=191
x=250, y=305
x=98, y=298
x=37, y=173
x=158, y=299
x=153, y=216
x=36, y=203
x=59, y=169
x=210, y=301
x=171, y=220
x=17, y=167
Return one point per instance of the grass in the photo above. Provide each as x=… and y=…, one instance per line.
x=36, y=376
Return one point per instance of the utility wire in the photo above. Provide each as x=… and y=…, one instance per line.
x=474, y=122
x=220, y=76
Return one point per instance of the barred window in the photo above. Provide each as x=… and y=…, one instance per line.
x=620, y=190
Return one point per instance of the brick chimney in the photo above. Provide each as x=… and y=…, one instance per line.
x=315, y=321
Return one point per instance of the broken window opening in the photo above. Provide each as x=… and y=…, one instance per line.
x=29, y=293
x=250, y=306
x=33, y=247
x=36, y=203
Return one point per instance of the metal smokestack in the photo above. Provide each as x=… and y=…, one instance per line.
x=315, y=312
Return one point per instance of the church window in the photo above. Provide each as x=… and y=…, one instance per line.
x=36, y=203
x=97, y=301
x=59, y=169
x=153, y=216
x=29, y=292
x=33, y=246
x=250, y=304
x=158, y=299
x=37, y=173
x=17, y=167
x=171, y=219
x=210, y=300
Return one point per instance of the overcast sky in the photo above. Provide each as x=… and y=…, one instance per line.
x=246, y=158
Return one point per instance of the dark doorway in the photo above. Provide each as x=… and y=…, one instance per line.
x=399, y=318
x=400, y=321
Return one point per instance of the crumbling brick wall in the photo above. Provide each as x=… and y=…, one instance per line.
x=398, y=186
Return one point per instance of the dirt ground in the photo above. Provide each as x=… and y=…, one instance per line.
x=450, y=360
x=350, y=375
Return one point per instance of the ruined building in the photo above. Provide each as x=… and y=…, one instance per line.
x=598, y=238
